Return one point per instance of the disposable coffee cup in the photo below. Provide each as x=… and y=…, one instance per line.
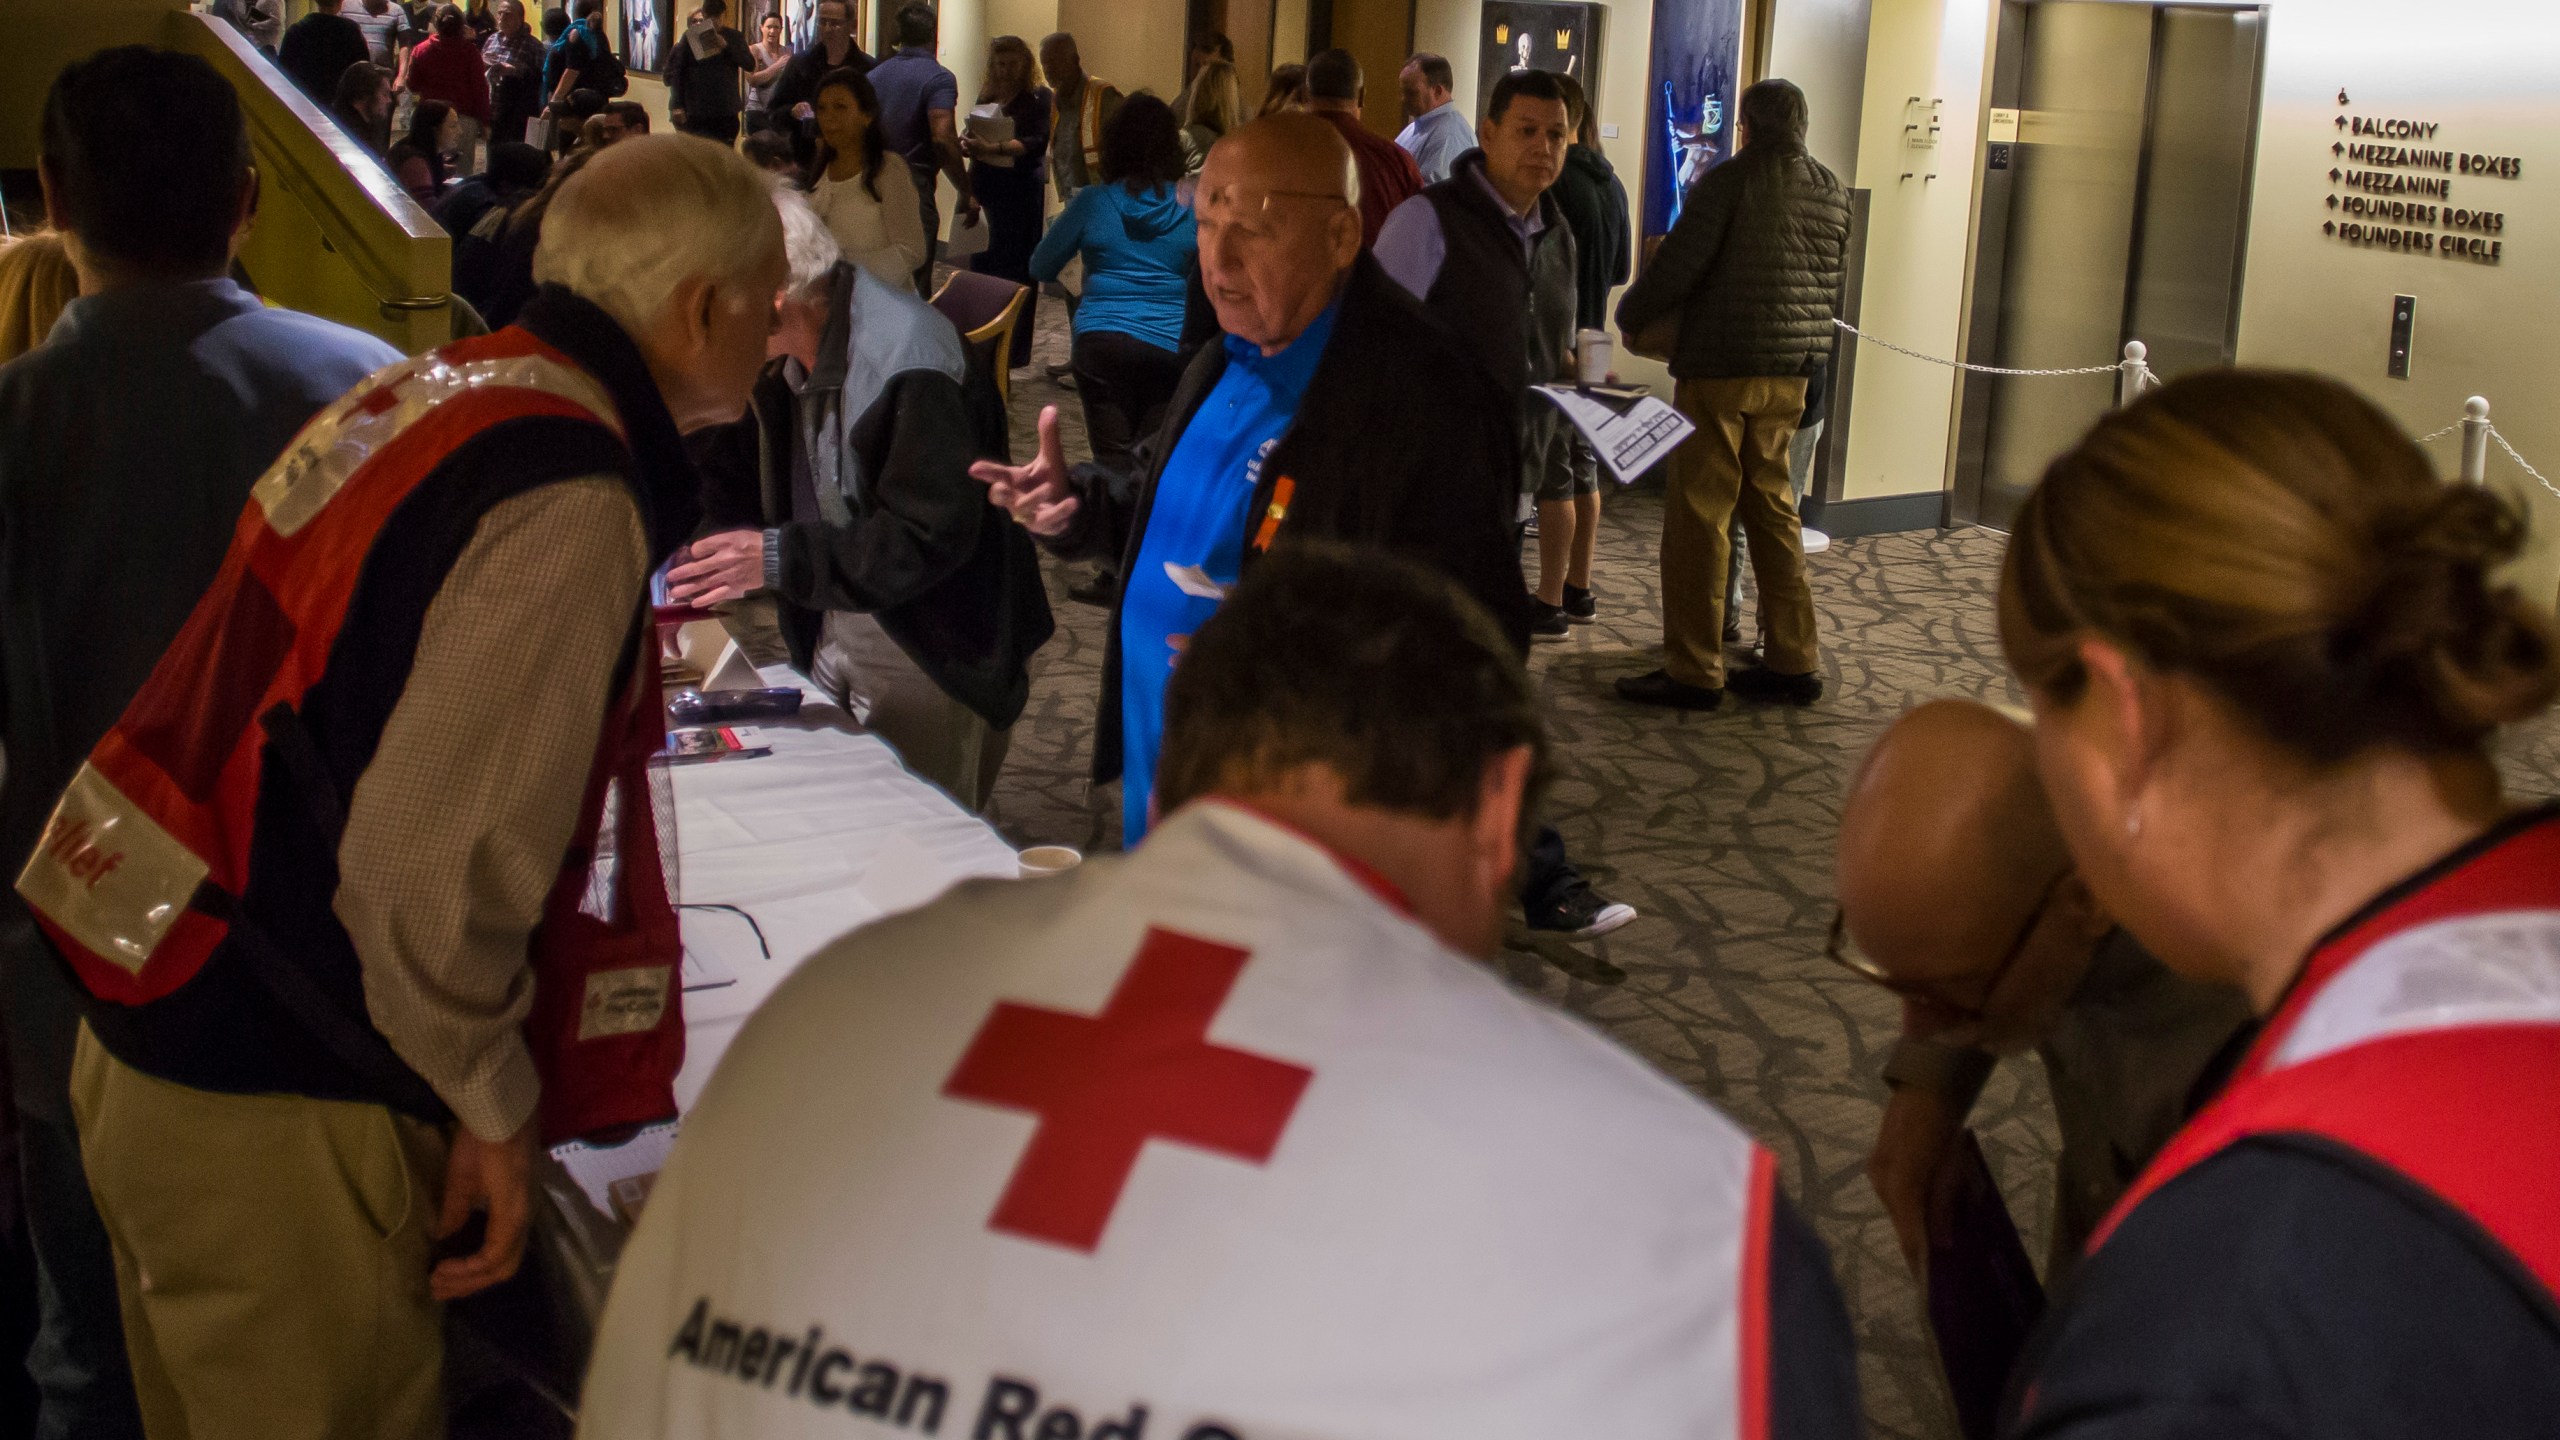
x=1593, y=347
x=1048, y=860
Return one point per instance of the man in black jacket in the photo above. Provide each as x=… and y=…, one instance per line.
x=795, y=90
x=705, y=91
x=846, y=493
x=1333, y=408
x=1751, y=275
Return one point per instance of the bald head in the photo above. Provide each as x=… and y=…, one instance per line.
x=1290, y=150
x=1279, y=225
x=1947, y=844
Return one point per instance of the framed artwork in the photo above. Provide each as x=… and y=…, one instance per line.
x=1689, y=99
x=799, y=22
x=1517, y=35
x=646, y=24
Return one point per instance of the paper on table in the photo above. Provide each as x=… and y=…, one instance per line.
x=991, y=126
x=707, y=651
x=1629, y=434
x=602, y=1170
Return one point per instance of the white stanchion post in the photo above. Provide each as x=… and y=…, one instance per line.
x=2475, y=441
x=2132, y=374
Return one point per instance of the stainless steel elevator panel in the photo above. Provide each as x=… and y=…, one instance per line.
x=2119, y=217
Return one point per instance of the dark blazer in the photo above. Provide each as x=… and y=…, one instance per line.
x=798, y=82
x=951, y=578
x=1752, y=271
x=1403, y=442
x=710, y=89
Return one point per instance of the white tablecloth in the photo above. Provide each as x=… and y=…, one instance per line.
x=826, y=833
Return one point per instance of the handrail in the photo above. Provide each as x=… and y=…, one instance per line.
x=389, y=245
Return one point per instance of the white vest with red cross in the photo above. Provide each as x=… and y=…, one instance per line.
x=2426, y=1037
x=1213, y=1142
x=188, y=873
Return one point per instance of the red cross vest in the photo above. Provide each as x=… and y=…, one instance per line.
x=188, y=873
x=1213, y=1140
x=2425, y=1037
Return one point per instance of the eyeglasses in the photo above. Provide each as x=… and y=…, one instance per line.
x=1234, y=204
x=1837, y=950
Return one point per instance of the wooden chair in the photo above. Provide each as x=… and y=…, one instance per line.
x=985, y=309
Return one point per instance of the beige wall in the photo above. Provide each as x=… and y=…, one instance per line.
x=1918, y=237
x=2487, y=71
x=1822, y=46
x=2309, y=301
x=1134, y=44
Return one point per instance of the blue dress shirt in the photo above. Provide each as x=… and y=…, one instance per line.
x=1435, y=139
x=1203, y=502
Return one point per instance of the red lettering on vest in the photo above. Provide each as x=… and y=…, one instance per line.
x=73, y=850
x=1104, y=1085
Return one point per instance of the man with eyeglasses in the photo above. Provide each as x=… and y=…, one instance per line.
x=1332, y=408
x=1957, y=894
x=795, y=91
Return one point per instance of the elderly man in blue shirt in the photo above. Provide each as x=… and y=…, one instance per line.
x=1436, y=134
x=128, y=442
x=1332, y=408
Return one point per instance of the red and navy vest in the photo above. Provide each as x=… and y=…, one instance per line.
x=2425, y=1037
x=189, y=872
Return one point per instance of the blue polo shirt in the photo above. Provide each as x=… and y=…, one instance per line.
x=1201, y=510
x=910, y=83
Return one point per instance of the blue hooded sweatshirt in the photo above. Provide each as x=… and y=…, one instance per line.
x=1138, y=253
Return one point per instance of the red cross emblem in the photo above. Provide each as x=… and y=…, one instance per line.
x=1104, y=1085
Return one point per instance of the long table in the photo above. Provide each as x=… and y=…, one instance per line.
x=826, y=833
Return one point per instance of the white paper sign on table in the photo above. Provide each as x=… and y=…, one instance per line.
x=1629, y=432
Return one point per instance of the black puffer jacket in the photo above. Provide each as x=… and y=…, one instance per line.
x=1752, y=272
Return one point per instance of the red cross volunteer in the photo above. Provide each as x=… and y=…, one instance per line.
x=1221, y=1140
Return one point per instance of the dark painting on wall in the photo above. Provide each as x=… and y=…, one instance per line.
x=646, y=24
x=1520, y=36
x=1689, y=99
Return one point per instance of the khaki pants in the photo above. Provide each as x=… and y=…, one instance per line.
x=271, y=1257
x=1734, y=467
x=878, y=684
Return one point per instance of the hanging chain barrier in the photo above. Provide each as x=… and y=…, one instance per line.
x=2477, y=433
x=2133, y=376
x=2133, y=372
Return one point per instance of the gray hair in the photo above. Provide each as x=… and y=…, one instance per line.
x=811, y=247
x=650, y=214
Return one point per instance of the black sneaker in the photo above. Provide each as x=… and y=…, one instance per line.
x=1546, y=621
x=1733, y=631
x=1579, y=606
x=1656, y=687
x=1763, y=684
x=1581, y=912
x=1103, y=590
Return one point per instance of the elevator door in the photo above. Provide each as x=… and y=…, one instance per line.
x=2120, y=216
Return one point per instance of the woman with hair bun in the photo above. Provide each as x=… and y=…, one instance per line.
x=2267, y=659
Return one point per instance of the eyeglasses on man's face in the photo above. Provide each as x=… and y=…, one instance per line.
x=1839, y=951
